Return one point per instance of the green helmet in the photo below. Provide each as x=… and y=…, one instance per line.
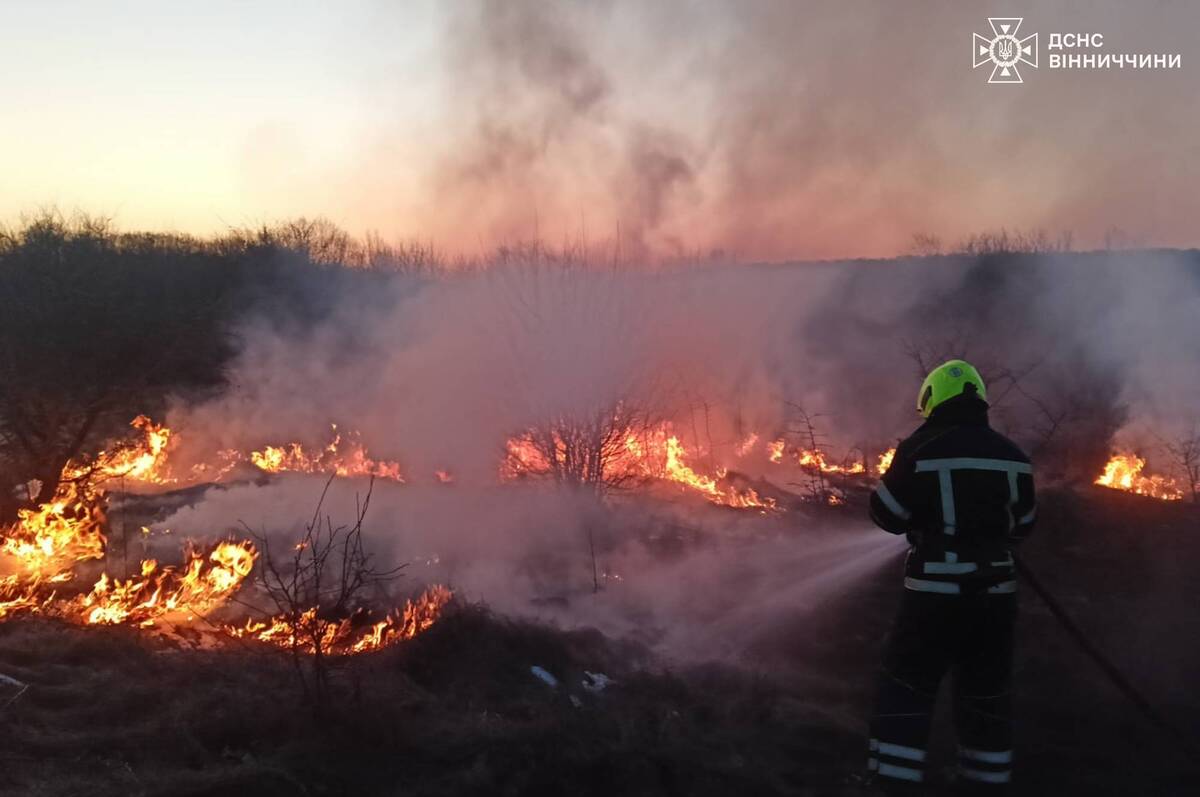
x=948, y=380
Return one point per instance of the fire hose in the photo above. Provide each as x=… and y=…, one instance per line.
x=1184, y=741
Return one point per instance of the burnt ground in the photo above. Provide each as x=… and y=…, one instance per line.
x=456, y=711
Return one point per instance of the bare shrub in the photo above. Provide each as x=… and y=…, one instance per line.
x=320, y=592
x=1074, y=423
x=1185, y=451
x=590, y=450
x=406, y=257
x=1004, y=241
x=801, y=427
x=1066, y=419
x=925, y=244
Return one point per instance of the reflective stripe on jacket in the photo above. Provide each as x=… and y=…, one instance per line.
x=964, y=495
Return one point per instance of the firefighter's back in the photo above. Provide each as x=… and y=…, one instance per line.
x=964, y=495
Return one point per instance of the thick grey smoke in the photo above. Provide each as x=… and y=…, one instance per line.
x=441, y=375
x=779, y=130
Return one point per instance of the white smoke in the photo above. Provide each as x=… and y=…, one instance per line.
x=439, y=377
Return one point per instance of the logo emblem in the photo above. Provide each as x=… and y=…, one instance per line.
x=1004, y=50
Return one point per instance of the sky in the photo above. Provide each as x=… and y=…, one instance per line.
x=768, y=130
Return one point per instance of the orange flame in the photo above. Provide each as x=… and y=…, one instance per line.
x=204, y=583
x=331, y=459
x=51, y=539
x=1124, y=472
x=143, y=460
x=146, y=460
x=48, y=541
x=643, y=455
x=816, y=460
x=306, y=630
x=678, y=471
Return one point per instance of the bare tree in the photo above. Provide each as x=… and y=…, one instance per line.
x=1004, y=241
x=320, y=593
x=927, y=354
x=1050, y=420
x=406, y=257
x=1185, y=450
x=1067, y=421
x=598, y=451
x=803, y=429
x=319, y=239
x=925, y=244
x=95, y=329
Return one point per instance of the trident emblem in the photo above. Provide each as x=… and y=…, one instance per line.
x=1004, y=50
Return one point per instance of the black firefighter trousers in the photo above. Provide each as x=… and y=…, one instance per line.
x=971, y=635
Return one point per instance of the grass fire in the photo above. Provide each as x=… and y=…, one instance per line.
x=46, y=544
x=546, y=398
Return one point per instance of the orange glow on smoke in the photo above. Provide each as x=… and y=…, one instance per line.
x=747, y=445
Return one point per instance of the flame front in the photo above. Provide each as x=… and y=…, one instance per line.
x=147, y=459
x=51, y=539
x=144, y=460
x=640, y=456
x=1124, y=472
x=306, y=631
x=814, y=459
x=201, y=585
x=342, y=458
x=631, y=456
x=46, y=544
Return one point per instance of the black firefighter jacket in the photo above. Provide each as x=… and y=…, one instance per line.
x=963, y=493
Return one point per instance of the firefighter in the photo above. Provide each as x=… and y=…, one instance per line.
x=963, y=494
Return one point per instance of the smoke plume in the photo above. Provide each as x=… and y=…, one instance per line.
x=440, y=374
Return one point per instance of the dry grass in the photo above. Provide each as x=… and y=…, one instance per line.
x=454, y=712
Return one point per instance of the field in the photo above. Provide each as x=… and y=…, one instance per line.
x=457, y=711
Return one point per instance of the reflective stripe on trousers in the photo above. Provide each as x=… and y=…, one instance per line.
x=985, y=766
x=950, y=588
x=896, y=761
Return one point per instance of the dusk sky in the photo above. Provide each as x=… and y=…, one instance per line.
x=773, y=130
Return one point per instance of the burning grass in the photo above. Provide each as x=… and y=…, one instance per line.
x=344, y=636
x=626, y=454
x=47, y=544
x=1124, y=472
x=633, y=456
